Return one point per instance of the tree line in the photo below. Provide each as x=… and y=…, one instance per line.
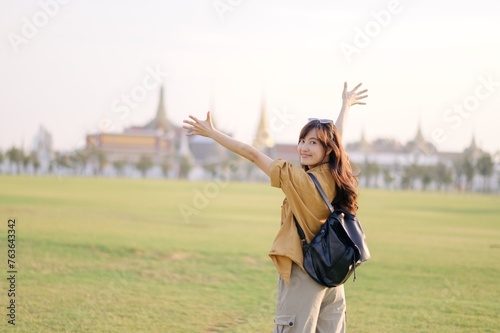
x=78, y=163
x=458, y=175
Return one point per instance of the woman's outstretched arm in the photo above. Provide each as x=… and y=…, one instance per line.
x=349, y=98
x=205, y=128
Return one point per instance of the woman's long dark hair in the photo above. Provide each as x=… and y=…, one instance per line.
x=339, y=165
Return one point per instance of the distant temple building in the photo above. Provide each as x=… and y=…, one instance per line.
x=390, y=152
x=198, y=157
x=159, y=140
x=156, y=139
x=392, y=158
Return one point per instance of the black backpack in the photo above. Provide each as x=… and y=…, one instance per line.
x=337, y=249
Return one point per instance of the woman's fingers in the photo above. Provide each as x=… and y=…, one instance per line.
x=190, y=125
x=194, y=118
x=356, y=96
x=355, y=88
x=195, y=126
x=193, y=122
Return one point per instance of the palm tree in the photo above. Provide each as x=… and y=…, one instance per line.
x=82, y=157
x=458, y=166
x=484, y=167
x=410, y=173
x=1, y=160
x=211, y=168
x=145, y=163
x=388, y=177
x=185, y=166
x=406, y=179
x=61, y=163
x=498, y=179
x=443, y=175
x=426, y=176
x=35, y=162
x=26, y=162
x=165, y=166
x=102, y=160
x=119, y=165
x=469, y=171
x=16, y=157
x=370, y=170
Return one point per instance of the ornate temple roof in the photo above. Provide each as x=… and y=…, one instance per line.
x=263, y=137
x=419, y=144
x=160, y=121
x=362, y=145
x=473, y=150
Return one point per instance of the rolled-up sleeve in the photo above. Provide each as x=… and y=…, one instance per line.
x=275, y=171
x=290, y=179
x=305, y=202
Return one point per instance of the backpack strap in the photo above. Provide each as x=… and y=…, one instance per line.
x=300, y=231
x=323, y=195
x=320, y=190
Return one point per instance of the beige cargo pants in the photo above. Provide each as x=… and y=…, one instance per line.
x=304, y=306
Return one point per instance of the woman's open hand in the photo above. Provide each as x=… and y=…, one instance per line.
x=352, y=97
x=196, y=126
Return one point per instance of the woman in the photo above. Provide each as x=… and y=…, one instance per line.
x=302, y=304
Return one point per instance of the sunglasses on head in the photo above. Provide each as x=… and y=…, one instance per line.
x=322, y=121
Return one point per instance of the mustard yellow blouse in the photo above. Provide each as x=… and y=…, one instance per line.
x=304, y=201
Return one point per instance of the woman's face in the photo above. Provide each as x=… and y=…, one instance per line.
x=310, y=150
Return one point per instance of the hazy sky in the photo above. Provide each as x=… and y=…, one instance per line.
x=74, y=66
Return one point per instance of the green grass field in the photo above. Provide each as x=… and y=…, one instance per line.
x=119, y=255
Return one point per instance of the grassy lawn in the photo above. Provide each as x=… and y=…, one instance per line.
x=124, y=255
